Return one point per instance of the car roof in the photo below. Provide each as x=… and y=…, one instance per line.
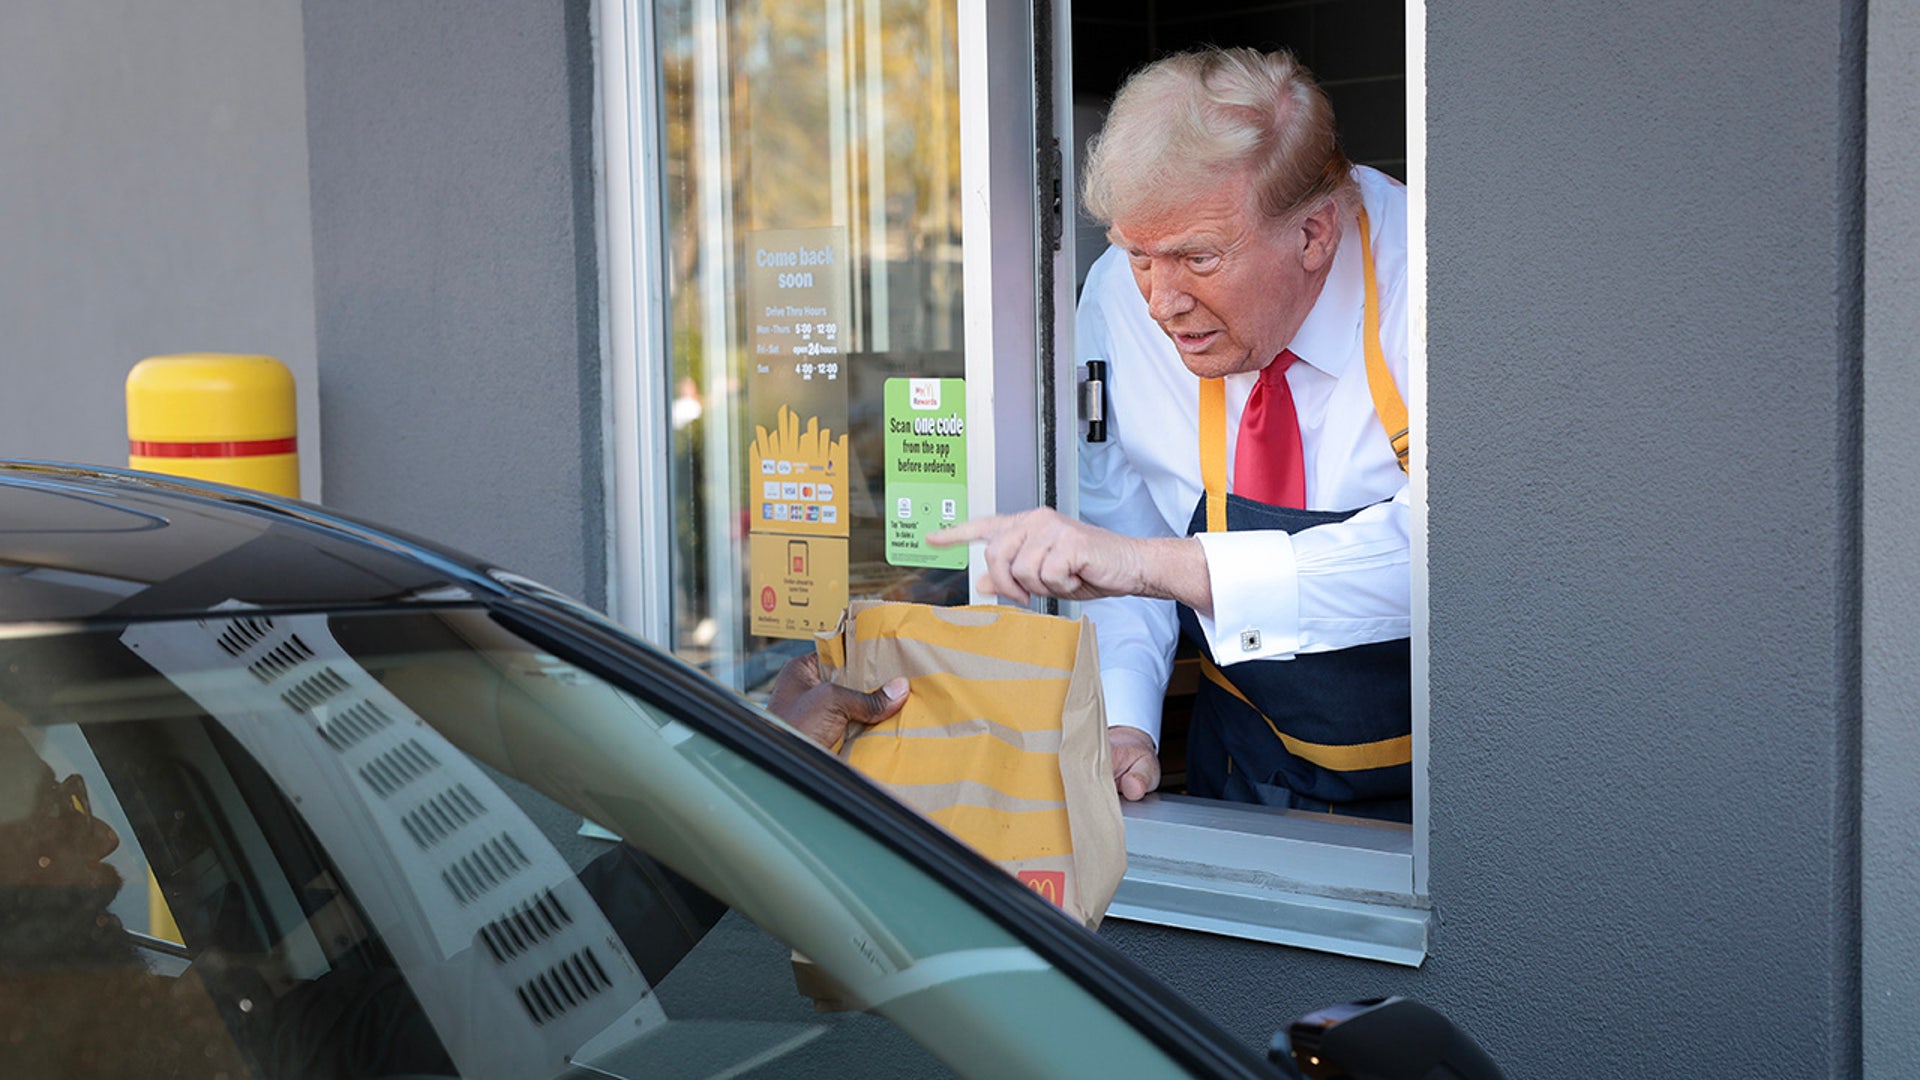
x=87, y=543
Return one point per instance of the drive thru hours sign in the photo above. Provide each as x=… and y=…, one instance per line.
x=798, y=474
x=926, y=469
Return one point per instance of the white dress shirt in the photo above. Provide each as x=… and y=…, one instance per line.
x=1324, y=588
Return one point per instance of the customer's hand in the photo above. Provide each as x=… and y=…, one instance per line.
x=823, y=711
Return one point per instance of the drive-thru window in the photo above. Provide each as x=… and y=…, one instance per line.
x=844, y=257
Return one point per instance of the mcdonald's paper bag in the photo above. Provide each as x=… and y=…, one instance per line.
x=1002, y=741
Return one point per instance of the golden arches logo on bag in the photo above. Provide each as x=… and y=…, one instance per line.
x=1050, y=884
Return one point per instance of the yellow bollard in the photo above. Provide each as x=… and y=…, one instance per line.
x=215, y=416
x=211, y=416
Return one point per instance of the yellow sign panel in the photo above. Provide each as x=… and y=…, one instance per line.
x=799, y=582
x=797, y=480
x=797, y=483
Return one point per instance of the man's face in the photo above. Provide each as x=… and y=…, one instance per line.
x=1228, y=285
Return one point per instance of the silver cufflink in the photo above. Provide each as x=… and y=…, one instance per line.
x=1249, y=641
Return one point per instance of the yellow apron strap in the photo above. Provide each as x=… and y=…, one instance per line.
x=1213, y=451
x=1387, y=402
x=1381, y=754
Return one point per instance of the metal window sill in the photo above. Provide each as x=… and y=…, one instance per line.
x=1311, y=881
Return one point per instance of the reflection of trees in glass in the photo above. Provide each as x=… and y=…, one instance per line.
x=846, y=116
x=685, y=483
x=836, y=113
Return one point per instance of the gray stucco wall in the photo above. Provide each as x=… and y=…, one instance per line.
x=457, y=294
x=155, y=198
x=1890, y=820
x=1644, y=392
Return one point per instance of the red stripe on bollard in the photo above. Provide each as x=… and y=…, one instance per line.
x=247, y=448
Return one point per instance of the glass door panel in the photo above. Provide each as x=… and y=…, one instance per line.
x=814, y=316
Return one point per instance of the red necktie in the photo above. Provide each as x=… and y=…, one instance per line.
x=1267, y=464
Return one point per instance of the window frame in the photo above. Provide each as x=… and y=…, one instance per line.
x=632, y=248
x=1208, y=867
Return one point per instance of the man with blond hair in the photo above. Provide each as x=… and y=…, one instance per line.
x=1252, y=490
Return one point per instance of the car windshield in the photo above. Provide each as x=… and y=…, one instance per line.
x=381, y=844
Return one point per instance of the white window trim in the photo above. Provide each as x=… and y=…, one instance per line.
x=627, y=68
x=1417, y=419
x=1000, y=321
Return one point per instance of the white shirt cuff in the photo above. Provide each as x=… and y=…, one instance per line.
x=1256, y=596
x=1133, y=699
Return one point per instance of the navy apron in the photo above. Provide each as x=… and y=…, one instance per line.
x=1329, y=731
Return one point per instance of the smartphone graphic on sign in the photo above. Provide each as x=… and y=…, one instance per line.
x=797, y=566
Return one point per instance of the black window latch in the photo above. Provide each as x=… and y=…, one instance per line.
x=1093, y=400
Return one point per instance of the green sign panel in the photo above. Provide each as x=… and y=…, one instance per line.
x=926, y=469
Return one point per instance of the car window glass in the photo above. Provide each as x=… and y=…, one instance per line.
x=348, y=820
x=140, y=906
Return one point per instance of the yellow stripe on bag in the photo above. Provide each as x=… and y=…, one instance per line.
x=1006, y=835
x=1348, y=758
x=1039, y=742
x=1017, y=635
x=1022, y=704
x=832, y=649
x=980, y=758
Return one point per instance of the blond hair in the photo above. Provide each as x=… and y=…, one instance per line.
x=1180, y=124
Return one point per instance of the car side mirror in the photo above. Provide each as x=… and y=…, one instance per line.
x=1393, y=1038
